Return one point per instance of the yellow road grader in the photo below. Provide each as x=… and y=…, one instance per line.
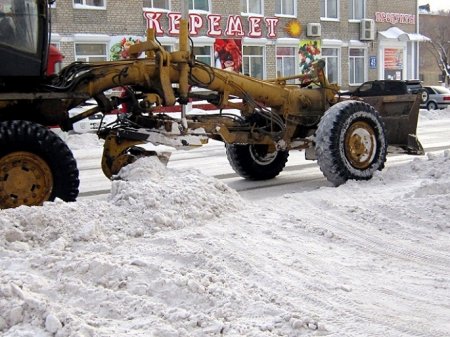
x=348, y=136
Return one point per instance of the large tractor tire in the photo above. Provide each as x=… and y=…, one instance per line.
x=35, y=166
x=350, y=142
x=254, y=162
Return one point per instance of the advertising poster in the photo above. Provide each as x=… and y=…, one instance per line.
x=120, y=46
x=308, y=51
x=393, y=63
x=228, y=54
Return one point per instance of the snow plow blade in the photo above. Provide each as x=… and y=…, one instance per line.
x=400, y=114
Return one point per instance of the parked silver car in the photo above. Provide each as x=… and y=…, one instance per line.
x=435, y=97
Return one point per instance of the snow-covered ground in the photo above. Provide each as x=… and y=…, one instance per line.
x=174, y=252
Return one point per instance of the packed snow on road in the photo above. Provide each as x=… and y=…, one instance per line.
x=173, y=252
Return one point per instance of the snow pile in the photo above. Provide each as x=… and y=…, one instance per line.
x=325, y=262
x=81, y=141
x=176, y=253
x=53, y=252
x=434, y=114
x=171, y=198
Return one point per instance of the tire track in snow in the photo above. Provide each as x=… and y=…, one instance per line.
x=379, y=247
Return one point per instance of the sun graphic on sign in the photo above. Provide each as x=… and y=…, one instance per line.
x=293, y=28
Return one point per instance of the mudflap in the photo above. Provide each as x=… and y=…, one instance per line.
x=400, y=114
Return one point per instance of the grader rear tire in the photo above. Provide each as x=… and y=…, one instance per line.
x=35, y=166
x=254, y=162
x=350, y=142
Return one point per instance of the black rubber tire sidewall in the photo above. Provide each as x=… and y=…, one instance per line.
x=241, y=161
x=330, y=135
x=432, y=106
x=34, y=138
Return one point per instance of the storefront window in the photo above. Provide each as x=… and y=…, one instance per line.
x=90, y=3
x=285, y=7
x=203, y=54
x=329, y=9
x=286, y=65
x=331, y=57
x=161, y=4
x=251, y=6
x=90, y=52
x=200, y=5
x=253, y=61
x=357, y=9
x=357, y=67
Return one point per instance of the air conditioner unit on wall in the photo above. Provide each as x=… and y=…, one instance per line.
x=367, y=31
x=313, y=29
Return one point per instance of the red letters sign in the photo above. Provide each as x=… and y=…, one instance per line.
x=395, y=18
x=234, y=25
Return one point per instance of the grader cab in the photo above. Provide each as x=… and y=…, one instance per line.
x=346, y=135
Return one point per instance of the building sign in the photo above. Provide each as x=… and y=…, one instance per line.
x=216, y=25
x=395, y=18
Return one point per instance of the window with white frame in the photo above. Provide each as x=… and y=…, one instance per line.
x=203, y=54
x=357, y=9
x=168, y=43
x=329, y=9
x=253, y=61
x=90, y=52
x=252, y=6
x=160, y=4
x=285, y=7
x=89, y=3
x=286, y=65
x=331, y=57
x=199, y=5
x=357, y=65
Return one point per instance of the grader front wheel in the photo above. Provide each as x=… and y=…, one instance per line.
x=360, y=144
x=350, y=142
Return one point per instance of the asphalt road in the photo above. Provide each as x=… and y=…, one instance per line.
x=298, y=175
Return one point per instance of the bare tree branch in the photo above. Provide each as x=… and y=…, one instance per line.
x=436, y=27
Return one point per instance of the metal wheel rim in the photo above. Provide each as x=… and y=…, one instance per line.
x=25, y=179
x=261, y=159
x=424, y=96
x=360, y=145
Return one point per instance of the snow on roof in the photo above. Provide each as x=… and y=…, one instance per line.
x=398, y=34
